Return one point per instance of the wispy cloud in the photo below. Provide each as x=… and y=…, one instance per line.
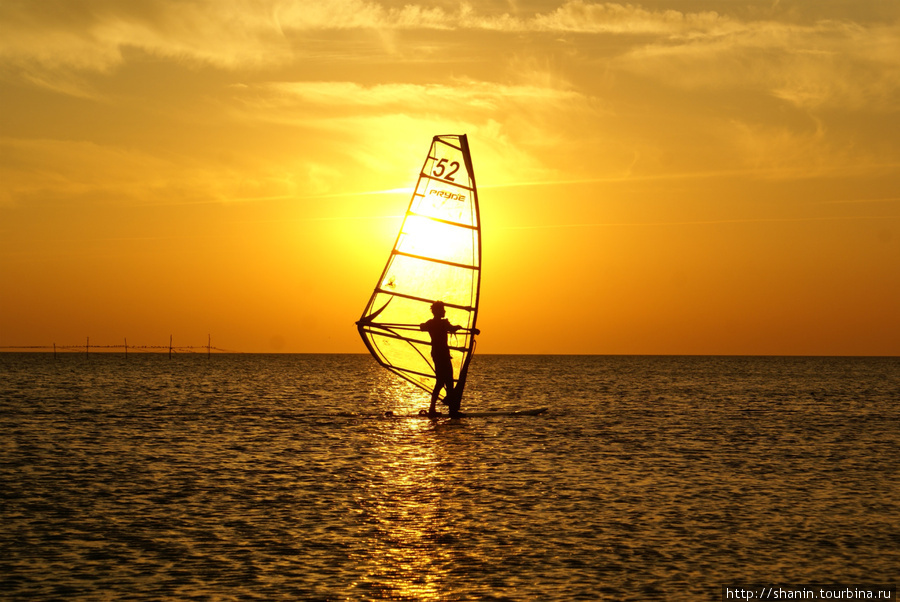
x=825, y=64
x=587, y=17
x=106, y=174
x=811, y=64
x=229, y=33
x=447, y=97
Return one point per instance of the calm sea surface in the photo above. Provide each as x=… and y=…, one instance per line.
x=273, y=477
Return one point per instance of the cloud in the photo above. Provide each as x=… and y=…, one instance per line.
x=580, y=17
x=515, y=121
x=238, y=33
x=444, y=97
x=829, y=64
x=92, y=36
x=105, y=174
x=57, y=168
x=814, y=64
x=358, y=14
x=552, y=117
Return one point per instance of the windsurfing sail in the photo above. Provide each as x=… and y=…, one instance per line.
x=436, y=257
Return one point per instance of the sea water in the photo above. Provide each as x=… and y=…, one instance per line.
x=276, y=477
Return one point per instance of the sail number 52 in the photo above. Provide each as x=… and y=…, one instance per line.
x=441, y=167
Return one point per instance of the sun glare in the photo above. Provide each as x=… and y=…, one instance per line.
x=429, y=238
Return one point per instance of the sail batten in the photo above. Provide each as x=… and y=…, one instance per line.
x=443, y=221
x=436, y=257
x=388, y=333
x=423, y=299
x=441, y=261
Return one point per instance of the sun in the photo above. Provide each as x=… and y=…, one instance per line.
x=426, y=237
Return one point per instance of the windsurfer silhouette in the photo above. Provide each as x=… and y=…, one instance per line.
x=439, y=328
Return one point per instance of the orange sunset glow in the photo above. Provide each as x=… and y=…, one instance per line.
x=661, y=177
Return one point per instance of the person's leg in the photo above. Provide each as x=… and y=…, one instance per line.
x=443, y=370
x=432, y=411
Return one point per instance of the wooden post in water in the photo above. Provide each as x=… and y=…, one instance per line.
x=170, y=346
x=87, y=347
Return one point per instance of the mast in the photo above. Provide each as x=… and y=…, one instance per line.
x=459, y=389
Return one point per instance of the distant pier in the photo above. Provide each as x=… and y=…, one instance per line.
x=87, y=348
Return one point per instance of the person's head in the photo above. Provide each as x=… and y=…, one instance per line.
x=437, y=308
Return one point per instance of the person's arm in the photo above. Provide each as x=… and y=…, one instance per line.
x=454, y=328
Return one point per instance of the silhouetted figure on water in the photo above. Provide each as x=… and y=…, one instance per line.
x=439, y=328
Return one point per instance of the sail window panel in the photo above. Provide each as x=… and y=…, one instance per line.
x=405, y=312
x=460, y=317
x=443, y=201
x=413, y=361
x=432, y=281
x=428, y=238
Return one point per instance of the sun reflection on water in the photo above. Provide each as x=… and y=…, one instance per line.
x=391, y=393
x=400, y=505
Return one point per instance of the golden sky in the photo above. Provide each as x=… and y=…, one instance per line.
x=664, y=177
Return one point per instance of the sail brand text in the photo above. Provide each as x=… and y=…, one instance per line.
x=453, y=196
x=809, y=592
